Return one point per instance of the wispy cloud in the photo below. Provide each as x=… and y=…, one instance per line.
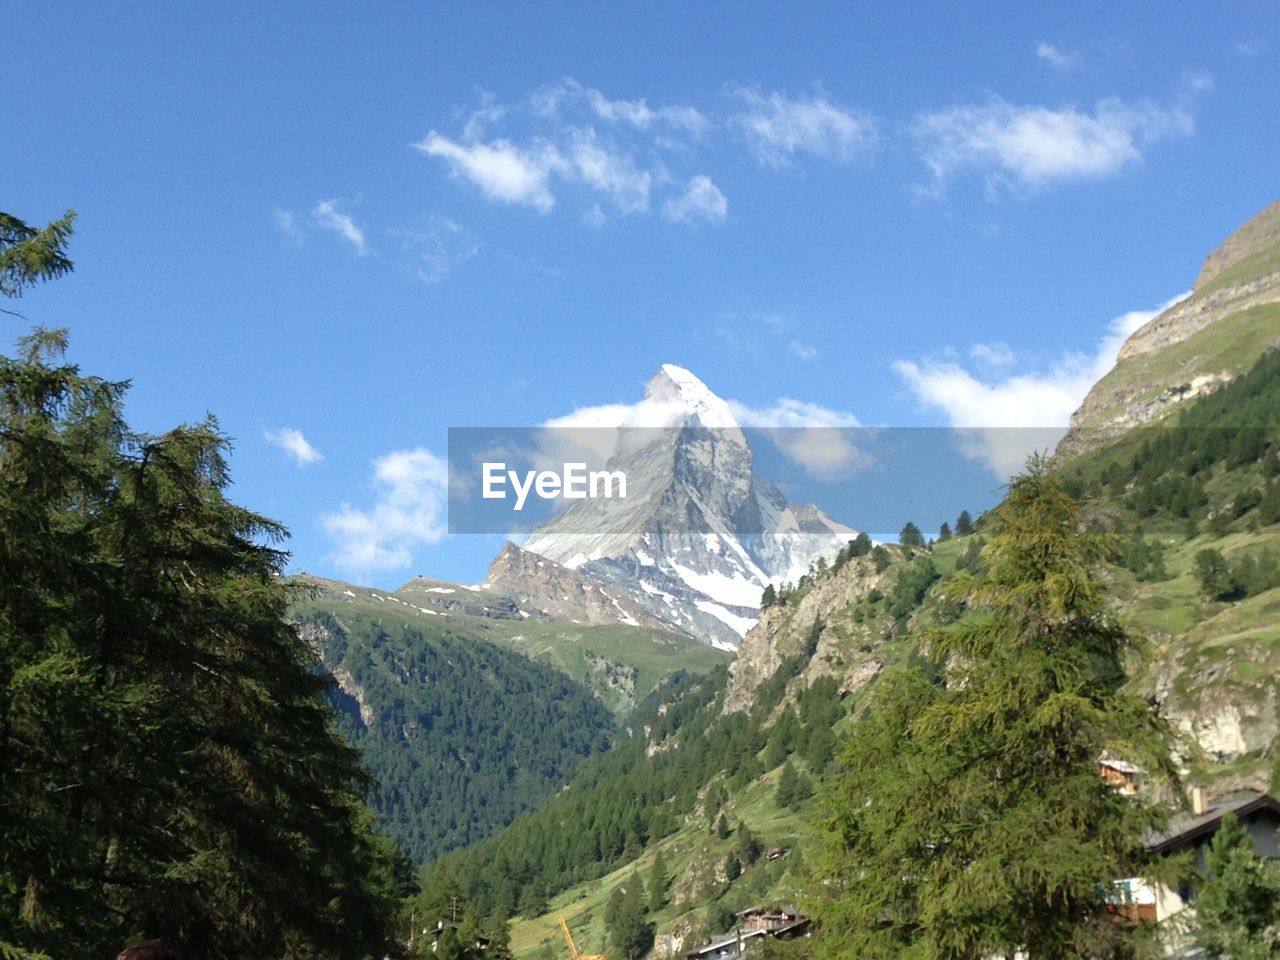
x=818, y=438
x=639, y=114
x=1056, y=58
x=1036, y=146
x=701, y=200
x=328, y=216
x=779, y=127
x=409, y=511
x=991, y=402
x=1029, y=147
x=500, y=169
x=292, y=442
x=610, y=172
x=802, y=350
x=439, y=249
x=625, y=157
x=286, y=222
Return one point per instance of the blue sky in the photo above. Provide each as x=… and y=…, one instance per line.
x=366, y=223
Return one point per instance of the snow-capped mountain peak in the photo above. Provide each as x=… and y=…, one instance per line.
x=676, y=387
x=700, y=534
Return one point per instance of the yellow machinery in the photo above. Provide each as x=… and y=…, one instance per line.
x=573, y=948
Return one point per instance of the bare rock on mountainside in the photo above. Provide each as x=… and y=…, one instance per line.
x=845, y=649
x=1231, y=317
x=542, y=587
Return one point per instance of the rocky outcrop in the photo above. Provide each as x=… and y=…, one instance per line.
x=845, y=649
x=1260, y=233
x=544, y=589
x=1176, y=356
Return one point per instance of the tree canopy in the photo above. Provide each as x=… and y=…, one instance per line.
x=971, y=821
x=170, y=765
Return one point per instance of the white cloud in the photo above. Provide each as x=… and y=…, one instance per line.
x=500, y=169
x=1036, y=146
x=702, y=200
x=440, y=249
x=1038, y=404
x=292, y=442
x=1058, y=59
x=610, y=173
x=992, y=354
x=779, y=127
x=327, y=215
x=410, y=510
x=639, y=114
x=803, y=351
x=814, y=436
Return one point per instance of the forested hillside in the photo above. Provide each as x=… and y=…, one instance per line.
x=460, y=735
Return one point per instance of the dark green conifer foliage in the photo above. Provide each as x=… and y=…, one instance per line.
x=31, y=254
x=964, y=524
x=658, y=881
x=169, y=764
x=971, y=821
x=793, y=789
x=1238, y=903
x=630, y=931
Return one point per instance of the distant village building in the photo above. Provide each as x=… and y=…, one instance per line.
x=1259, y=814
x=753, y=927
x=435, y=933
x=1120, y=773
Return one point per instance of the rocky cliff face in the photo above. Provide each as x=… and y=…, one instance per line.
x=1192, y=348
x=847, y=649
x=542, y=588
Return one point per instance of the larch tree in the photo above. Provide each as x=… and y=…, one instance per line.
x=971, y=821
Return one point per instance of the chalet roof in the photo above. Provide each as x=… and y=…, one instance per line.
x=1186, y=829
x=1121, y=766
x=787, y=910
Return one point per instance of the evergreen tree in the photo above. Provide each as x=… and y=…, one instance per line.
x=722, y=827
x=911, y=536
x=769, y=597
x=964, y=524
x=793, y=789
x=1238, y=903
x=658, y=881
x=972, y=815
x=630, y=932
x=170, y=766
x=1215, y=576
x=860, y=545
x=944, y=532
x=748, y=847
x=29, y=255
x=498, y=930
